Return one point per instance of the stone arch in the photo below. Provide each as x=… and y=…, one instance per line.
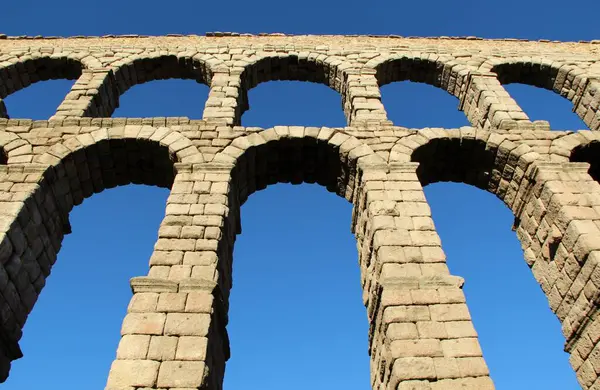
x=283, y=154
x=44, y=193
x=14, y=149
x=154, y=66
x=580, y=147
x=552, y=202
x=588, y=153
x=486, y=160
x=536, y=71
x=562, y=148
x=109, y=157
x=294, y=154
x=27, y=70
x=310, y=67
x=564, y=78
x=440, y=71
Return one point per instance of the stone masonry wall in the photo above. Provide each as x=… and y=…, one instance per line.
x=174, y=335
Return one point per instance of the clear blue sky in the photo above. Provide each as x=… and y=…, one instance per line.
x=296, y=317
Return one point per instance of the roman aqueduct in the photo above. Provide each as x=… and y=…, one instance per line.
x=421, y=335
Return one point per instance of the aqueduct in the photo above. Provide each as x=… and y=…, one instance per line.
x=421, y=336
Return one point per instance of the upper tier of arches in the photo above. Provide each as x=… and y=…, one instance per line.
x=476, y=82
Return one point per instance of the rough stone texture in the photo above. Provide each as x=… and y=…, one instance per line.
x=421, y=335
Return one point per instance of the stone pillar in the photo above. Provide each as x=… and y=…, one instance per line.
x=92, y=95
x=559, y=229
x=488, y=105
x=174, y=333
x=421, y=334
x=362, y=103
x=222, y=103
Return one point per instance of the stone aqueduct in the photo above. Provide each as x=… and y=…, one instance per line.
x=421, y=336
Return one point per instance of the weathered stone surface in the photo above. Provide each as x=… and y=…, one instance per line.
x=162, y=348
x=132, y=347
x=421, y=334
x=144, y=323
x=133, y=373
x=414, y=368
x=181, y=374
x=191, y=348
x=187, y=324
x=171, y=302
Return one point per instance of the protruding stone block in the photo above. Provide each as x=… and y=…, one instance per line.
x=143, y=284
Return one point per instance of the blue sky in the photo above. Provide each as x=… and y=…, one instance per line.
x=296, y=317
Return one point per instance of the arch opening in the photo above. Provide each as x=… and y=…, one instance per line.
x=531, y=73
x=26, y=102
x=166, y=67
x=529, y=83
x=170, y=97
x=500, y=287
x=497, y=291
x=85, y=297
x=110, y=163
x=458, y=160
x=294, y=103
x=289, y=68
x=295, y=160
x=35, y=233
x=413, y=72
x=541, y=104
x=23, y=75
x=412, y=69
x=315, y=322
x=588, y=153
x=298, y=318
x=418, y=105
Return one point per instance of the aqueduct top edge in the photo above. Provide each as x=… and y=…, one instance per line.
x=219, y=34
x=235, y=39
